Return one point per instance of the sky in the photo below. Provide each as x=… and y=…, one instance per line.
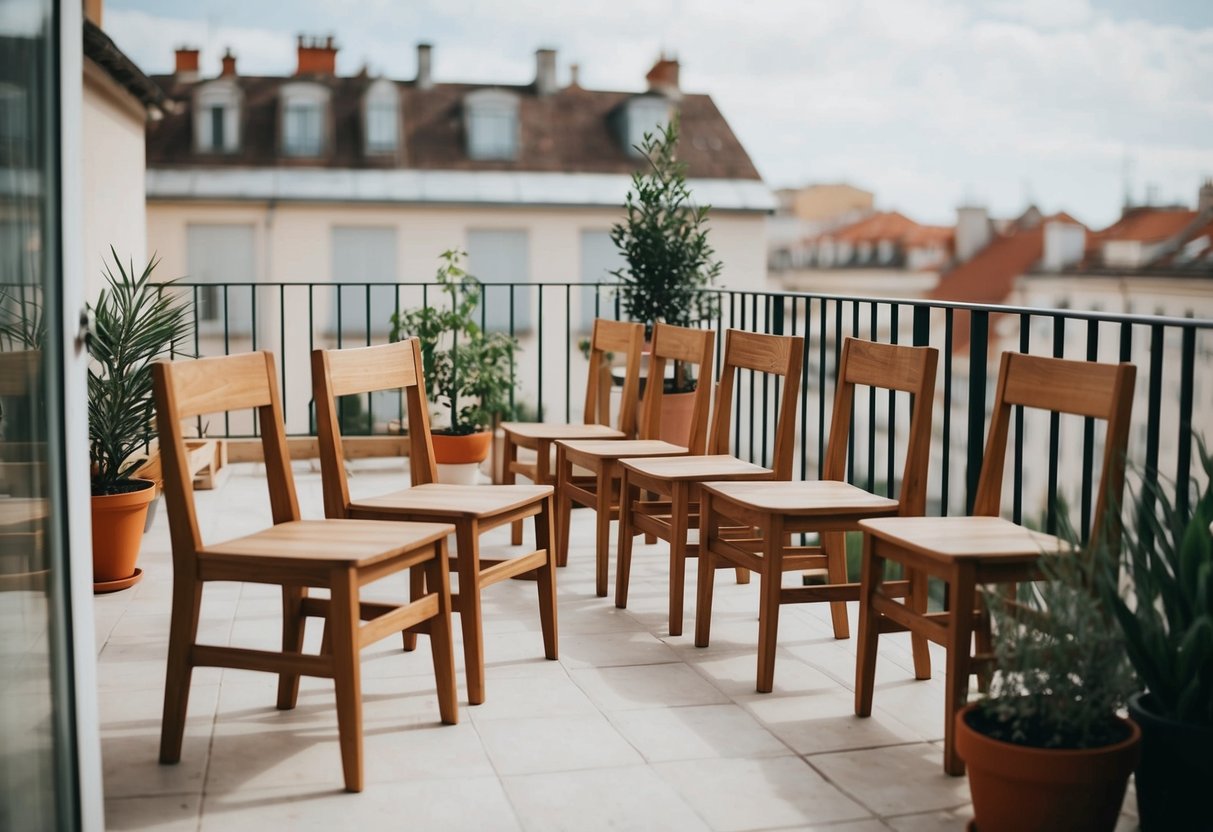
x=1065, y=104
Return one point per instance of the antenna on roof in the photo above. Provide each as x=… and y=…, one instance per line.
x=1126, y=172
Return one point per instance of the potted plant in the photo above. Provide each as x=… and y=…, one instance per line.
x=135, y=323
x=468, y=372
x=664, y=241
x=1167, y=620
x=1045, y=748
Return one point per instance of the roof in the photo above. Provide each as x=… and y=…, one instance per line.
x=1148, y=225
x=570, y=130
x=104, y=53
x=885, y=225
x=925, y=236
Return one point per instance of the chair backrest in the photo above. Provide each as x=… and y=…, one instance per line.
x=189, y=388
x=614, y=337
x=681, y=345
x=348, y=372
x=887, y=367
x=1083, y=388
x=779, y=355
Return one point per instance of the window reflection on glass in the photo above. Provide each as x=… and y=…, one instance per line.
x=381, y=126
x=302, y=126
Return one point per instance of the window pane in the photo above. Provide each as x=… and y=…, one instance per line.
x=381, y=126
x=302, y=127
x=217, y=142
x=362, y=256
x=502, y=257
x=494, y=134
x=599, y=257
x=222, y=254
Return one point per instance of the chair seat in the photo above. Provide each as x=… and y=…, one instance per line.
x=803, y=499
x=697, y=468
x=353, y=542
x=542, y=430
x=620, y=448
x=440, y=500
x=965, y=538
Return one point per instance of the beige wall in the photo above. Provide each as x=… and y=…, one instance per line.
x=114, y=162
x=823, y=202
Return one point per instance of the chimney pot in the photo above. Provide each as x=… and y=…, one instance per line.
x=545, y=71
x=229, y=63
x=1204, y=201
x=663, y=77
x=574, y=75
x=186, y=63
x=973, y=231
x=425, y=79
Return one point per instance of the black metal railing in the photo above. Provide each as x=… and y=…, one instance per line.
x=1050, y=459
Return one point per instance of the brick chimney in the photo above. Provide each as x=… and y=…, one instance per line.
x=663, y=77
x=187, y=63
x=545, y=71
x=425, y=78
x=574, y=75
x=973, y=231
x=317, y=56
x=229, y=63
x=1204, y=201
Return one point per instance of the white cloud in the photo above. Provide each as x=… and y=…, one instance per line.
x=920, y=100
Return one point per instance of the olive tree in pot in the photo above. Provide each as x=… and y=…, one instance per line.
x=468, y=372
x=1045, y=748
x=1167, y=619
x=136, y=322
x=669, y=263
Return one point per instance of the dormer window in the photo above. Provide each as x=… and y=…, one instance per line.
x=304, y=119
x=491, y=121
x=217, y=117
x=643, y=114
x=382, y=117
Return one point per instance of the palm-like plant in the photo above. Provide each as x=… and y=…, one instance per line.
x=136, y=323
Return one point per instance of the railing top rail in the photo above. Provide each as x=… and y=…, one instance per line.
x=1075, y=314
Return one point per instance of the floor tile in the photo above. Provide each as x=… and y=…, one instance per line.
x=165, y=813
x=696, y=732
x=553, y=744
x=650, y=686
x=896, y=780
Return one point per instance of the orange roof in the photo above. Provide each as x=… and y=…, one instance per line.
x=929, y=235
x=885, y=225
x=1148, y=225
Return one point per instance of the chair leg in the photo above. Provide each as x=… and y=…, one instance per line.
x=441, y=641
x=960, y=635
x=871, y=574
x=623, y=559
x=416, y=590
x=834, y=545
x=344, y=622
x=679, y=522
x=546, y=582
x=602, y=539
x=293, y=624
x=743, y=575
x=919, y=646
x=564, y=509
x=770, y=578
x=183, y=632
x=467, y=547
x=709, y=529
x=509, y=477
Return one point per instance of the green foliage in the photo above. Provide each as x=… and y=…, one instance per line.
x=136, y=323
x=1167, y=618
x=664, y=240
x=1062, y=671
x=473, y=376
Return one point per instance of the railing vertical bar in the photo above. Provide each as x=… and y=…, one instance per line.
x=227, y=350
x=539, y=286
x=821, y=381
x=851, y=474
x=872, y=315
x=737, y=384
x=311, y=344
x=1150, y=475
x=804, y=384
x=1088, y=441
x=197, y=339
x=891, y=432
x=1059, y=346
x=766, y=379
x=370, y=401
x=1025, y=343
x=1183, y=462
x=282, y=357
x=979, y=350
x=513, y=369
x=568, y=353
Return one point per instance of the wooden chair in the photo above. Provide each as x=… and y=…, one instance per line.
x=607, y=337
x=829, y=507
x=601, y=457
x=340, y=555
x=966, y=552
x=678, y=479
x=472, y=509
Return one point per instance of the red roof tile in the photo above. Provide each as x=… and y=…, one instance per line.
x=1148, y=225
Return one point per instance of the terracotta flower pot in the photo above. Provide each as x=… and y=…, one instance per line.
x=1016, y=787
x=462, y=450
x=118, y=521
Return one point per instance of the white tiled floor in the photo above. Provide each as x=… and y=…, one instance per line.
x=631, y=729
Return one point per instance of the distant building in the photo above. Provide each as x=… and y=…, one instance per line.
x=807, y=211
x=338, y=180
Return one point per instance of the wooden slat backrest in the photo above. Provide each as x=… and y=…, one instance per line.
x=187, y=388
x=1083, y=388
x=779, y=355
x=887, y=367
x=364, y=370
x=687, y=346
x=614, y=337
